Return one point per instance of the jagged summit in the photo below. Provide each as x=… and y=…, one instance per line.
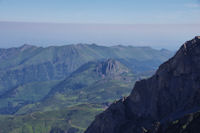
x=186, y=60
x=171, y=93
x=189, y=45
x=110, y=67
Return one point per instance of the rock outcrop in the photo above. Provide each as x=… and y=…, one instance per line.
x=171, y=93
x=111, y=68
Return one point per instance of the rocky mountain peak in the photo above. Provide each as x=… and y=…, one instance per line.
x=171, y=93
x=174, y=87
x=185, y=61
x=110, y=67
x=190, y=45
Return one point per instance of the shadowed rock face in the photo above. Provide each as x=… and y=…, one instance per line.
x=171, y=93
x=187, y=124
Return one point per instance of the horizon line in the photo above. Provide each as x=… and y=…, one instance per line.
x=74, y=44
x=90, y=23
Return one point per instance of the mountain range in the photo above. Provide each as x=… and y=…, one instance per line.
x=60, y=89
x=167, y=102
x=29, y=63
x=30, y=74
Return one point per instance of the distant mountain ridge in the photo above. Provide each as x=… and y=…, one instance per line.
x=57, y=62
x=171, y=93
x=35, y=67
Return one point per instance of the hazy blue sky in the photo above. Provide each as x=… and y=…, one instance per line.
x=107, y=22
x=101, y=11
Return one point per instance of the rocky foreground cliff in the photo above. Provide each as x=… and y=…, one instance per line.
x=173, y=92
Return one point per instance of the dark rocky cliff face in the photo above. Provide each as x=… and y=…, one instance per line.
x=171, y=93
x=187, y=124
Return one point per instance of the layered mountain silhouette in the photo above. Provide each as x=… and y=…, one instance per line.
x=98, y=82
x=28, y=63
x=28, y=73
x=170, y=94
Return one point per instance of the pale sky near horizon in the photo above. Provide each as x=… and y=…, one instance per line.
x=156, y=23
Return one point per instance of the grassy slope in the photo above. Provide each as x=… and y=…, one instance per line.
x=25, y=94
x=75, y=118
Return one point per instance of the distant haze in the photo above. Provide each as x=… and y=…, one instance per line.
x=155, y=23
x=169, y=36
